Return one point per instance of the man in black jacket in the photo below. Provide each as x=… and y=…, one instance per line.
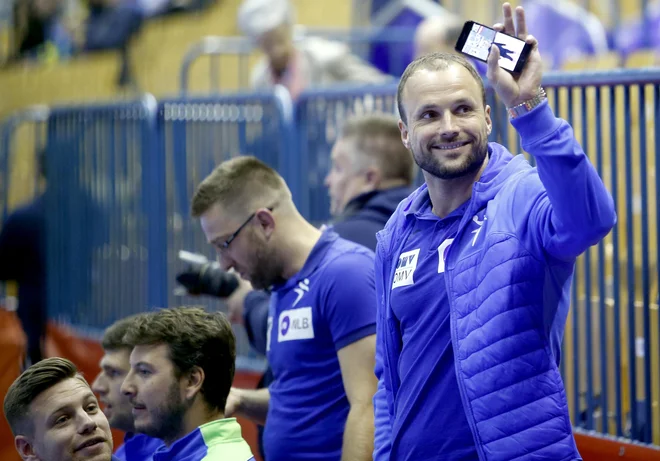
x=371, y=173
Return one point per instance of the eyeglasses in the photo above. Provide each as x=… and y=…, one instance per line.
x=224, y=245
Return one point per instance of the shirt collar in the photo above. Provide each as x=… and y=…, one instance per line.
x=328, y=237
x=226, y=429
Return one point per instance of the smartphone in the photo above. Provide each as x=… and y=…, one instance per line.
x=476, y=39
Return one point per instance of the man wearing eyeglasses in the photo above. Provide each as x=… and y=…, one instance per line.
x=322, y=319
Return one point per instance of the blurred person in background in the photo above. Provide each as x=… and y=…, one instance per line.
x=640, y=33
x=23, y=260
x=54, y=415
x=439, y=34
x=371, y=172
x=566, y=31
x=40, y=31
x=182, y=367
x=115, y=365
x=111, y=24
x=320, y=341
x=297, y=64
x=152, y=8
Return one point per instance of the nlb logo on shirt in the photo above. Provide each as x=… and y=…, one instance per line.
x=295, y=324
x=405, y=269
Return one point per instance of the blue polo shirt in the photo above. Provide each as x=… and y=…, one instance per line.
x=429, y=419
x=138, y=447
x=327, y=306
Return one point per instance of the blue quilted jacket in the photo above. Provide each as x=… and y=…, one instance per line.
x=509, y=291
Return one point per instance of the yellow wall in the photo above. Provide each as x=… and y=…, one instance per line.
x=156, y=57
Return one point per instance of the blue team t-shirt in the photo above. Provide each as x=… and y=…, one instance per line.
x=327, y=306
x=138, y=447
x=429, y=419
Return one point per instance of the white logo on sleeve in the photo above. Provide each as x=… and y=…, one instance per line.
x=405, y=269
x=269, y=327
x=295, y=324
x=443, y=249
x=476, y=232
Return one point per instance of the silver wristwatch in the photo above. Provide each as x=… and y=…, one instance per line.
x=524, y=107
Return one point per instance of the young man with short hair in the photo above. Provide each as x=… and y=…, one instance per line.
x=182, y=367
x=321, y=323
x=55, y=416
x=115, y=365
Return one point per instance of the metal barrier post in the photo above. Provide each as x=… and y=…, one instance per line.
x=213, y=46
x=154, y=198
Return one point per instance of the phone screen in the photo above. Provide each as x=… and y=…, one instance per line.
x=480, y=39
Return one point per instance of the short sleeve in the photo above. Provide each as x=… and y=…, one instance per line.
x=350, y=298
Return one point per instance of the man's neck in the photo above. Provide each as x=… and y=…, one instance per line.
x=449, y=194
x=194, y=418
x=299, y=239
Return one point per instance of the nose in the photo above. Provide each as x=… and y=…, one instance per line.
x=326, y=181
x=226, y=263
x=87, y=423
x=448, y=129
x=127, y=387
x=98, y=387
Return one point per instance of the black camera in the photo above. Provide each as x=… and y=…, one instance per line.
x=204, y=277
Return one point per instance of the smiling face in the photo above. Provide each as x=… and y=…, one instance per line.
x=68, y=426
x=447, y=124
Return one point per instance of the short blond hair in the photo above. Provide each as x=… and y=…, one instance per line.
x=29, y=385
x=242, y=183
x=378, y=141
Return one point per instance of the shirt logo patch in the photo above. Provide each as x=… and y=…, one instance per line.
x=295, y=324
x=443, y=249
x=480, y=223
x=405, y=269
x=303, y=287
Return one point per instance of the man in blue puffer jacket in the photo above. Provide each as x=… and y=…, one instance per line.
x=473, y=270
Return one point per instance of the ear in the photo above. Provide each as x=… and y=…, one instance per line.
x=25, y=448
x=373, y=176
x=266, y=221
x=489, y=121
x=404, y=134
x=194, y=381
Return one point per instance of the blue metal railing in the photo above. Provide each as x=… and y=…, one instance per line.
x=140, y=162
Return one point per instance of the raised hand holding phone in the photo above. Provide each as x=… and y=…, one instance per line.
x=515, y=89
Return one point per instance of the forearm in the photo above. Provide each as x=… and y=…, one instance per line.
x=359, y=433
x=582, y=208
x=253, y=404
